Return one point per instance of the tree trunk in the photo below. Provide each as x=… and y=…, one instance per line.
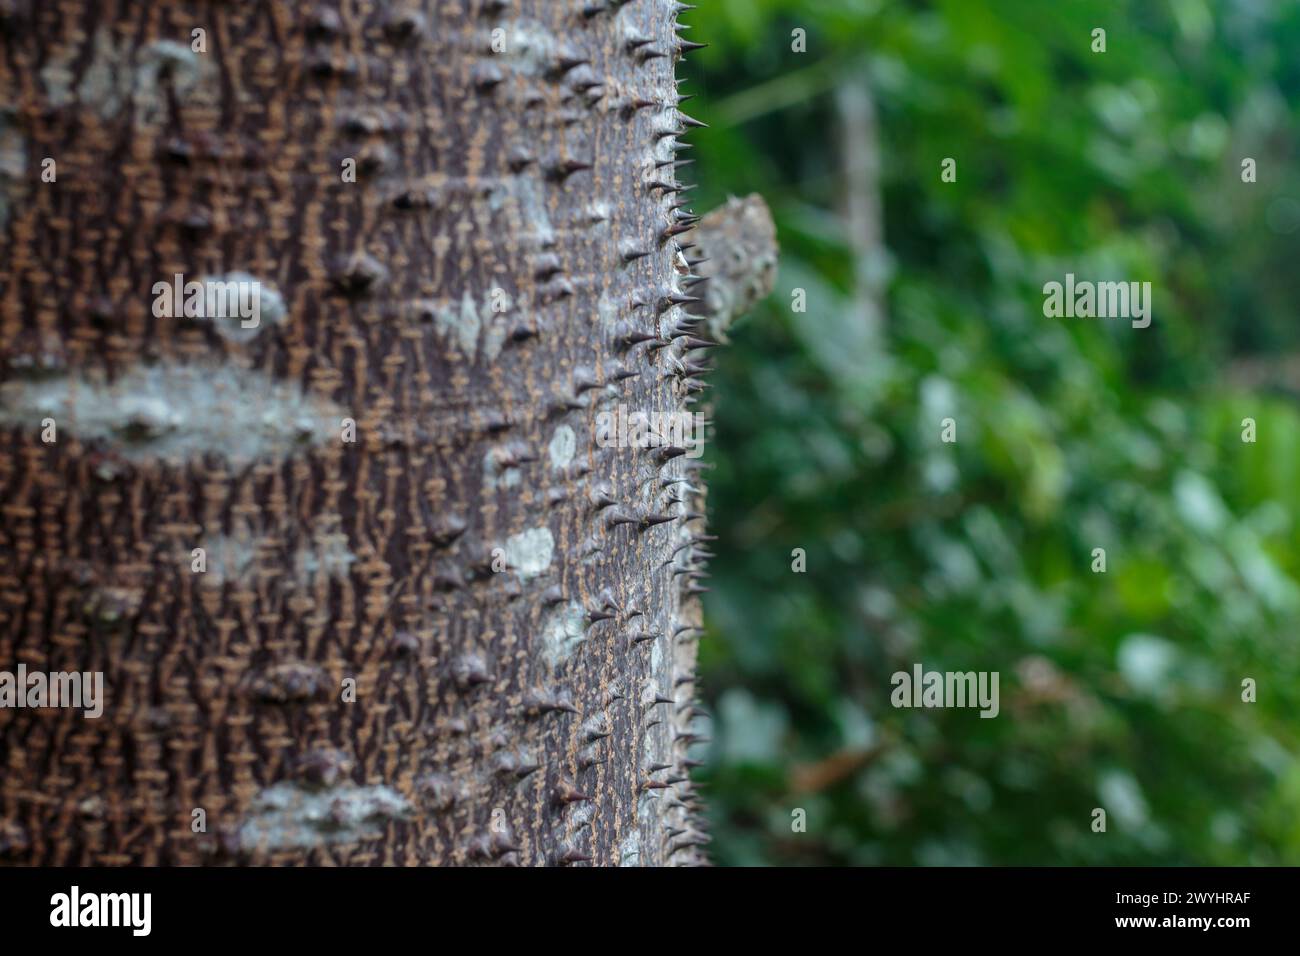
x=362, y=582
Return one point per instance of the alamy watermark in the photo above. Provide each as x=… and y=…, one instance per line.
x=922, y=688
x=212, y=298
x=623, y=429
x=1101, y=300
x=83, y=690
x=75, y=908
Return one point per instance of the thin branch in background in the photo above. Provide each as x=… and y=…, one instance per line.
x=778, y=93
x=833, y=769
x=860, y=210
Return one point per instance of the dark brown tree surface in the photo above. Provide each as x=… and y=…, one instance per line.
x=364, y=586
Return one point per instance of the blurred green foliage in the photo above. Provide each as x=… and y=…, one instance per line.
x=1121, y=689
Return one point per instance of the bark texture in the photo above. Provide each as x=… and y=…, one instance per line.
x=432, y=621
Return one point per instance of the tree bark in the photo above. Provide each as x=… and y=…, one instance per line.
x=363, y=585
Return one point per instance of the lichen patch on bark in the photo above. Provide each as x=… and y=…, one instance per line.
x=562, y=447
x=177, y=413
x=562, y=634
x=529, y=553
x=287, y=815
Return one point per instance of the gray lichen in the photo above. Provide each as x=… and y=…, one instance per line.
x=238, y=556
x=562, y=447
x=13, y=164
x=330, y=556
x=270, y=307
x=471, y=327
x=229, y=558
x=562, y=634
x=529, y=552
x=178, y=412
x=288, y=815
x=528, y=47
x=109, y=80
x=461, y=324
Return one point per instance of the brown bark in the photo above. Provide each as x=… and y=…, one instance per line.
x=507, y=596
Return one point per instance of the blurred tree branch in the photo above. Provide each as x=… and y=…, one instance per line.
x=860, y=210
